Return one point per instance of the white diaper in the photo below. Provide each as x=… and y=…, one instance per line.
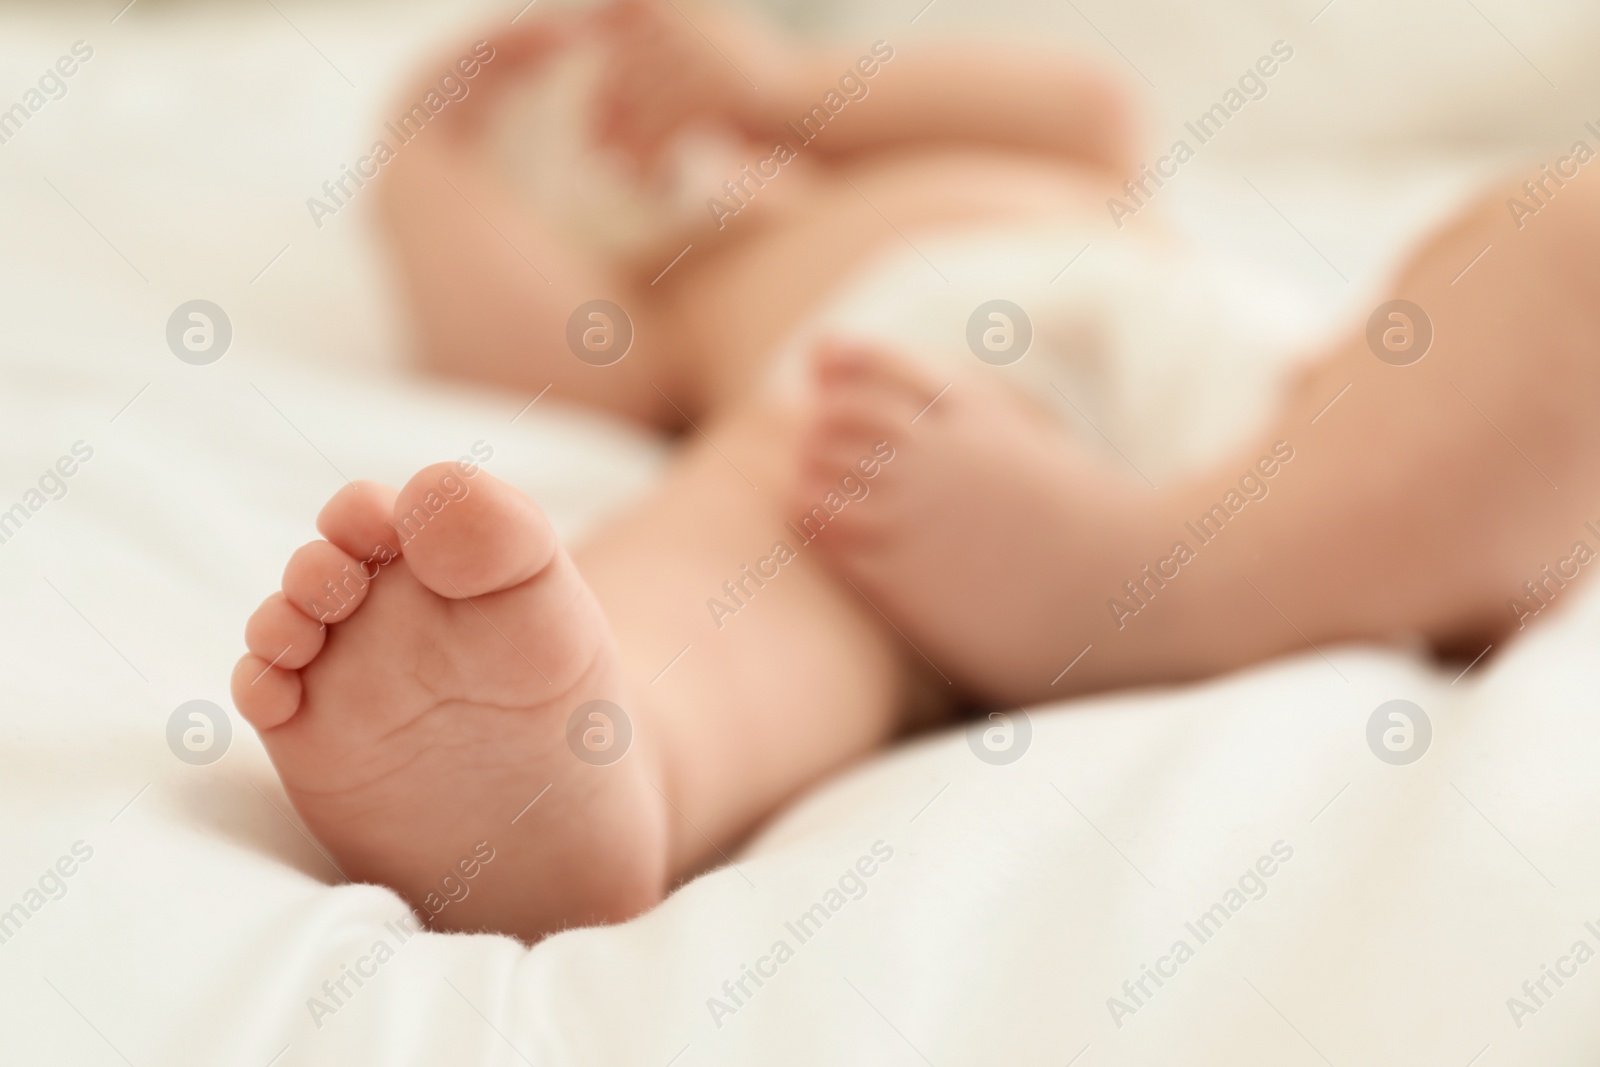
x=1157, y=354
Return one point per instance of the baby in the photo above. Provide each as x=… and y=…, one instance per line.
x=439, y=679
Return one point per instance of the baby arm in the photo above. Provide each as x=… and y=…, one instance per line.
x=671, y=67
x=994, y=96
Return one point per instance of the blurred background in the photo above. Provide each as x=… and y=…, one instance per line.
x=181, y=157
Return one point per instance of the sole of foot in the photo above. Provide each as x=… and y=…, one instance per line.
x=442, y=698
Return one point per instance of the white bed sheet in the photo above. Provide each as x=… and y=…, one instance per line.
x=1017, y=900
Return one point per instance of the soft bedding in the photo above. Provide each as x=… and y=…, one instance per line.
x=1242, y=871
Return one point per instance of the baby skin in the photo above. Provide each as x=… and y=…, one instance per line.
x=420, y=679
x=413, y=682
x=438, y=679
x=428, y=676
x=431, y=701
x=1025, y=570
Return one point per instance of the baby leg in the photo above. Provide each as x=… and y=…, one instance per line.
x=580, y=735
x=1389, y=497
x=490, y=287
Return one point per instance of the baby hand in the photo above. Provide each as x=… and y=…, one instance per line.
x=666, y=72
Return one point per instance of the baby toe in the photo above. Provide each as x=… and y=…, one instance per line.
x=842, y=363
x=356, y=520
x=283, y=635
x=325, y=582
x=265, y=695
x=466, y=536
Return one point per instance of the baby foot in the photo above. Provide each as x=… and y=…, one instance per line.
x=988, y=536
x=413, y=683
